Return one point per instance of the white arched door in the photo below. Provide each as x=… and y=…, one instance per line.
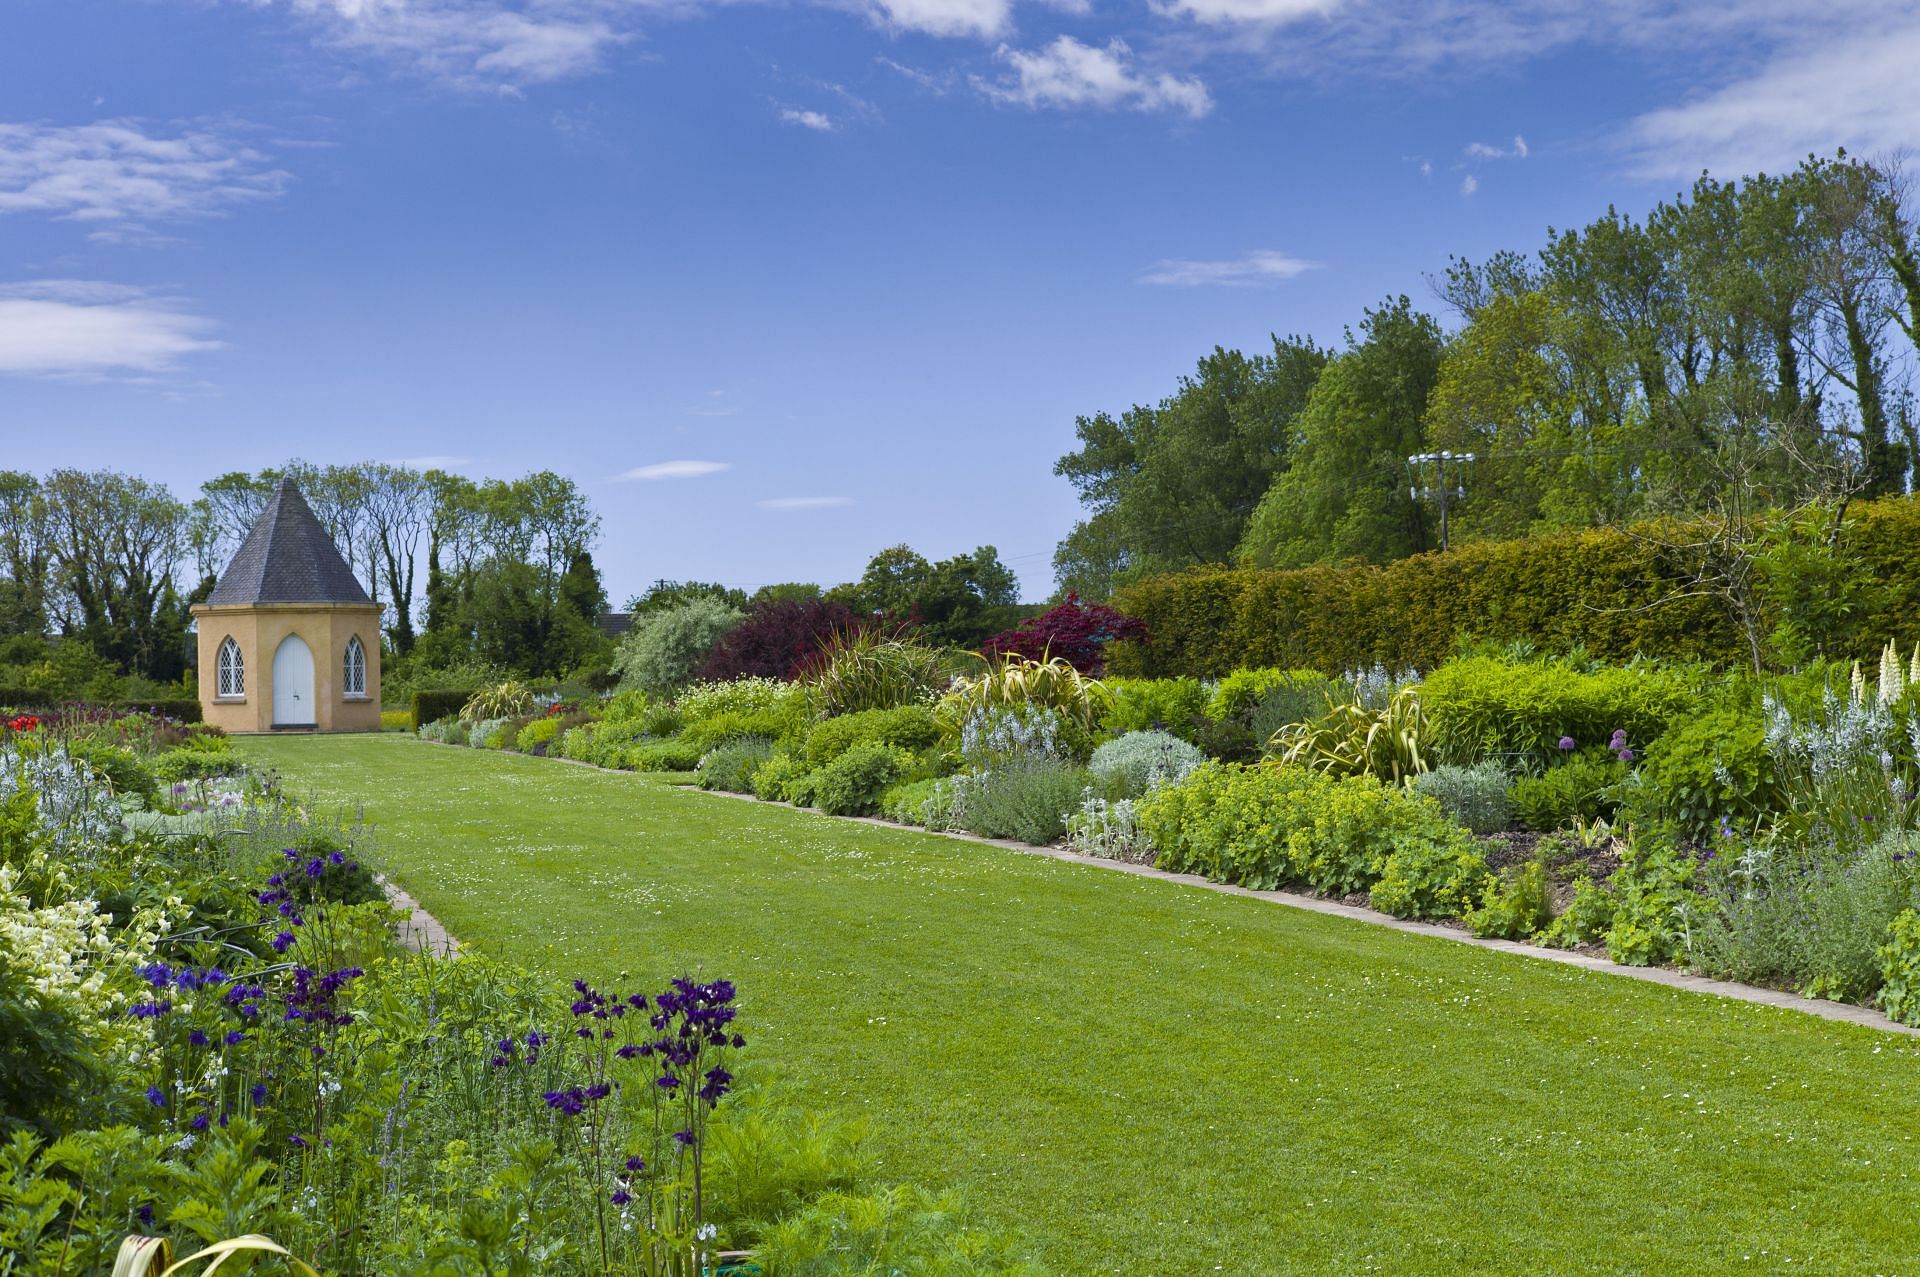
x=293, y=683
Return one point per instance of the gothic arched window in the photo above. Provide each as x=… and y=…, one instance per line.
x=355, y=672
x=232, y=677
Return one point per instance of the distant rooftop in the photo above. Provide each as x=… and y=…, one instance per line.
x=288, y=558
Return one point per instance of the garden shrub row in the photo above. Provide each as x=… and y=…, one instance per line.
x=180, y=709
x=1602, y=590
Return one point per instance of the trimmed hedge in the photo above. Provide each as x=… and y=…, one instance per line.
x=429, y=707
x=21, y=698
x=1600, y=589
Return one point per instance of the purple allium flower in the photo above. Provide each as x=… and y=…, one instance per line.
x=1566, y=743
x=1625, y=755
x=156, y=1097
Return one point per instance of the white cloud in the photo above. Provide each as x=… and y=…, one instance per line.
x=803, y=503
x=1469, y=184
x=474, y=43
x=1859, y=90
x=1067, y=73
x=815, y=120
x=89, y=329
x=1483, y=151
x=677, y=470
x=118, y=171
x=1262, y=266
x=1253, y=12
x=979, y=18
x=1426, y=168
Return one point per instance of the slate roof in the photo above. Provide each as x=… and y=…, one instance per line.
x=614, y=624
x=287, y=558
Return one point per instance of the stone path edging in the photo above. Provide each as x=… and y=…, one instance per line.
x=1843, y=1012
x=419, y=931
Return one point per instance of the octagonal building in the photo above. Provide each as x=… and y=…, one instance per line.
x=288, y=640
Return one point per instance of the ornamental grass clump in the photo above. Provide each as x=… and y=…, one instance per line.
x=508, y=699
x=1013, y=682
x=1388, y=742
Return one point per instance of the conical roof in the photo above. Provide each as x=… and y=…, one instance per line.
x=287, y=558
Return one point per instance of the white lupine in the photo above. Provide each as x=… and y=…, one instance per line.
x=1893, y=681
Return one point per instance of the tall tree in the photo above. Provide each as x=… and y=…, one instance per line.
x=115, y=541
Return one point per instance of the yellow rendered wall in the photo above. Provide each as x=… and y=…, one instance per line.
x=258, y=631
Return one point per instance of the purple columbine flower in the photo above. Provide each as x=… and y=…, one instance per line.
x=196, y=1038
x=199, y=1122
x=685, y=1139
x=234, y=1037
x=621, y=1196
x=599, y=1091
x=257, y=1093
x=156, y=1097
x=636, y=1163
x=145, y=1214
x=297, y=1141
x=282, y=942
x=336, y=858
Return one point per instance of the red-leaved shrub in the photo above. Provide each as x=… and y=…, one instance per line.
x=1076, y=632
x=775, y=639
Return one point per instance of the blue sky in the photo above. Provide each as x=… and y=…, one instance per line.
x=865, y=260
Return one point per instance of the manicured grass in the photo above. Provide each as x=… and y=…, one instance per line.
x=1160, y=1080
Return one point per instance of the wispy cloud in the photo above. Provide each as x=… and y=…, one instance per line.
x=1261, y=266
x=818, y=121
x=93, y=330
x=1257, y=12
x=803, y=503
x=1855, y=88
x=979, y=18
x=1484, y=151
x=1469, y=184
x=676, y=470
x=120, y=171
x=475, y=43
x=1067, y=74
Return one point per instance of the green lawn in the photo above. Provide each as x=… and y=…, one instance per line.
x=1160, y=1080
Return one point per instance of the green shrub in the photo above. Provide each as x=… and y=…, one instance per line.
x=731, y=766
x=1517, y=907
x=177, y=766
x=851, y=784
x=1132, y=764
x=1586, y=920
x=781, y=723
x=577, y=743
x=910, y=727
x=663, y=649
x=1483, y=706
x=1712, y=768
x=1029, y=799
x=1900, y=969
x=784, y=779
x=1173, y=705
x=432, y=706
x=119, y=767
x=1475, y=796
x=660, y=756
x=1583, y=787
x=1268, y=827
x=1244, y=692
x=1432, y=878
x=1653, y=893
x=927, y=803
x=753, y=695
x=538, y=736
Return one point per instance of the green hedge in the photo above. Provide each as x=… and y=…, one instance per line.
x=21, y=698
x=1600, y=589
x=430, y=707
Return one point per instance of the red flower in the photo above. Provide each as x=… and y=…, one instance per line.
x=23, y=723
